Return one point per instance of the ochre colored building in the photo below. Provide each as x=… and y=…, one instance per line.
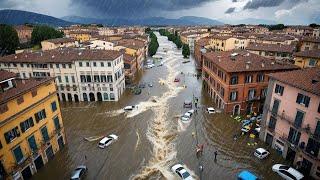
x=308, y=58
x=31, y=127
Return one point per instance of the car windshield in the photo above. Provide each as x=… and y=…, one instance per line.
x=101, y=144
x=179, y=169
x=284, y=167
x=258, y=152
x=185, y=175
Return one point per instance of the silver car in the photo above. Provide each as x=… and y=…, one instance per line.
x=79, y=172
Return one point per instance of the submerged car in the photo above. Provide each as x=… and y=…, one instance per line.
x=187, y=115
x=150, y=85
x=211, y=110
x=261, y=153
x=181, y=172
x=187, y=104
x=106, y=141
x=130, y=108
x=287, y=172
x=79, y=172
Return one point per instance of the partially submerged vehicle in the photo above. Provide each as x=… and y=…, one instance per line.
x=106, y=141
x=130, y=108
x=211, y=110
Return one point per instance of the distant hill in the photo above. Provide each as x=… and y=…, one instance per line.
x=186, y=20
x=252, y=21
x=16, y=17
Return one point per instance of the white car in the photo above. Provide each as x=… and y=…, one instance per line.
x=79, y=172
x=148, y=66
x=106, y=141
x=287, y=172
x=130, y=108
x=187, y=115
x=211, y=110
x=261, y=153
x=181, y=171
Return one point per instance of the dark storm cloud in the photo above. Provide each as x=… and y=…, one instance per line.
x=131, y=8
x=230, y=10
x=255, y=4
x=4, y=4
x=234, y=0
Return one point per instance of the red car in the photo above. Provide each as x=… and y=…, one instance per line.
x=176, y=80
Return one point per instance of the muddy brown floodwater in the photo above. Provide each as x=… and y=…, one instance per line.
x=152, y=138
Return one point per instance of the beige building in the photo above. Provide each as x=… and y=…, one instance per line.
x=58, y=43
x=274, y=51
x=24, y=33
x=308, y=58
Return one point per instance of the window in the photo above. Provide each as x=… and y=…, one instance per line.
x=264, y=92
x=73, y=79
x=67, y=79
x=251, y=94
x=27, y=124
x=20, y=100
x=312, y=62
x=57, y=65
x=303, y=100
x=88, y=78
x=1, y=145
x=88, y=64
x=82, y=78
x=63, y=66
x=275, y=107
x=70, y=66
x=109, y=78
x=112, y=96
x=32, y=143
x=313, y=147
x=234, y=80
x=96, y=78
x=294, y=136
x=12, y=134
x=80, y=64
x=272, y=123
x=101, y=64
x=260, y=78
x=248, y=79
x=234, y=96
x=59, y=79
x=105, y=96
x=279, y=89
x=298, y=119
x=45, y=135
x=109, y=64
x=17, y=152
x=103, y=78
x=40, y=115
x=94, y=64
x=56, y=123
x=317, y=130
x=53, y=106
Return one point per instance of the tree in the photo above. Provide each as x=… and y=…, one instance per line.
x=178, y=42
x=314, y=25
x=147, y=30
x=9, y=40
x=41, y=33
x=153, y=46
x=185, y=51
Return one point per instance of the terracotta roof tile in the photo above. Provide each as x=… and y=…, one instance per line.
x=271, y=47
x=4, y=75
x=309, y=53
x=307, y=79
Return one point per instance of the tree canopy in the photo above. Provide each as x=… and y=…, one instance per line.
x=153, y=45
x=41, y=33
x=9, y=40
x=185, y=50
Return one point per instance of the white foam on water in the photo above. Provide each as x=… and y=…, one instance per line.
x=160, y=132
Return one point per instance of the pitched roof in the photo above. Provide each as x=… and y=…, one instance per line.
x=307, y=79
x=60, y=40
x=128, y=58
x=4, y=75
x=131, y=43
x=243, y=61
x=309, y=53
x=310, y=39
x=21, y=87
x=271, y=47
x=67, y=55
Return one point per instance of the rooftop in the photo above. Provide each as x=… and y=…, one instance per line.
x=309, y=53
x=4, y=75
x=271, y=47
x=243, y=61
x=131, y=43
x=67, y=55
x=60, y=40
x=21, y=87
x=307, y=79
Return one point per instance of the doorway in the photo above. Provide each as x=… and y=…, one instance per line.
x=76, y=98
x=38, y=162
x=60, y=142
x=236, y=110
x=26, y=173
x=69, y=97
x=63, y=97
x=91, y=97
x=99, y=96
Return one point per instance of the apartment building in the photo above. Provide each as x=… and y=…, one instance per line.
x=81, y=75
x=308, y=58
x=291, y=118
x=31, y=127
x=199, y=49
x=130, y=67
x=274, y=51
x=299, y=30
x=58, y=43
x=190, y=38
x=309, y=43
x=236, y=80
x=222, y=43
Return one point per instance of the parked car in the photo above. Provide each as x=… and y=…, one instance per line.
x=187, y=115
x=150, y=84
x=106, y=141
x=130, y=108
x=247, y=175
x=79, y=172
x=176, y=80
x=187, y=104
x=245, y=129
x=287, y=172
x=181, y=172
x=246, y=122
x=211, y=110
x=261, y=153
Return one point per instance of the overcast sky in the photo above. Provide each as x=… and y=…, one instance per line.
x=281, y=11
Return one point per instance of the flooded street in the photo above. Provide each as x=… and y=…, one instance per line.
x=151, y=137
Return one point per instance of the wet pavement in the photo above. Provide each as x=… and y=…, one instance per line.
x=152, y=138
